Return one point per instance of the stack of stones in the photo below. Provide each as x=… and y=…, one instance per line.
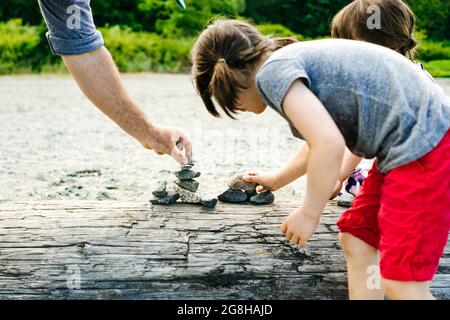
x=184, y=189
x=241, y=192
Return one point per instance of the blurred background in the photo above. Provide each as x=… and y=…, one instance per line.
x=156, y=35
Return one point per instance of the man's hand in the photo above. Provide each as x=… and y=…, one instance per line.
x=300, y=226
x=265, y=181
x=164, y=141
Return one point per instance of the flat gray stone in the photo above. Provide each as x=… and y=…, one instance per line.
x=169, y=199
x=233, y=196
x=262, y=198
x=190, y=197
x=209, y=202
x=250, y=194
x=236, y=183
x=345, y=200
x=187, y=174
x=161, y=191
x=190, y=185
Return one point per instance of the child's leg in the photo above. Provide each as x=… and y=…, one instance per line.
x=359, y=239
x=360, y=259
x=414, y=221
x=400, y=290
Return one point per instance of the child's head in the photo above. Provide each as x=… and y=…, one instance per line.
x=397, y=25
x=225, y=60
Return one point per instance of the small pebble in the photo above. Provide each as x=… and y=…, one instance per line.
x=262, y=198
x=190, y=185
x=161, y=191
x=345, y=200
x=189, y=197
x=250, y=194
x=236, y=183
x=169, y=199
x=233, y=196
x=187, y=174
x=209, y=202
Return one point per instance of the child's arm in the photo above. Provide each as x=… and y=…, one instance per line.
x=293, y=170
x=297, y=168
x=349, y=163
x=327, y=146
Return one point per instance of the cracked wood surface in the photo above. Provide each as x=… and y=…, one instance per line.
x=113, y=250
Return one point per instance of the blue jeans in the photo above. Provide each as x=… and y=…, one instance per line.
x=71, y=28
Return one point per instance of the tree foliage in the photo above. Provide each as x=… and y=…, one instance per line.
x=308, y=17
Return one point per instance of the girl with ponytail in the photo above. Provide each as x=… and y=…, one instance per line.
x=396, y=32
x=348, y=100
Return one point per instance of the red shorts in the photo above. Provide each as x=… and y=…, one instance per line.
x=405, y=214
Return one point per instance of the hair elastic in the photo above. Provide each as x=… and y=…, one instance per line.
x=222, y=60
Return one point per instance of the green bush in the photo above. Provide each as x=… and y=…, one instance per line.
x=141, y=51
x=438, y=68
x=171, y=21
x=277, y=30
x=24, y=48
x=433, y=50
x=18, y=45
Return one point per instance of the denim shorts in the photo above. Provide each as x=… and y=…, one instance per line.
x=71, y=28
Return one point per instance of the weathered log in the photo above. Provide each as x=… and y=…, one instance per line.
x=107, y=250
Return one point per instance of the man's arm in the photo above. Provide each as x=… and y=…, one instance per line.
x=99, y=79
x=72, y=35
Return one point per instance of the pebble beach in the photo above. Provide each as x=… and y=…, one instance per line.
x=55, y=145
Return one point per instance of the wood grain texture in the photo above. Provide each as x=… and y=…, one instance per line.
x=113, y=250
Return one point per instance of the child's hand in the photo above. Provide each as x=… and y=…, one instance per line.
x=265, y=181
x=299, y=227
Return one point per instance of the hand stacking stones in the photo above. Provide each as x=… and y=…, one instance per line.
x=185, y=190
x=241, y=192
x=238, y=184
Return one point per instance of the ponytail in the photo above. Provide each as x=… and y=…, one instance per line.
x=283, y=42
x=224, y=59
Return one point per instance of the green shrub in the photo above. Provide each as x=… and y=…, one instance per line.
x=18, y=44
x=433, y=50
x=277, y=30
x=438, y=68
x=24, y=48
x=141, y=51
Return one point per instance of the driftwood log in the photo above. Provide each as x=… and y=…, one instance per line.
x=111, y=250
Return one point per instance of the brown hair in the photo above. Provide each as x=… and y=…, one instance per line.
x=224, y=60
x=397, y=25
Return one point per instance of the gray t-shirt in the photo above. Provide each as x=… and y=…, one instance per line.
x=384, y=106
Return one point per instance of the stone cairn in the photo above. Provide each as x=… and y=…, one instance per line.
x=245, y=192
x=183, y=190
